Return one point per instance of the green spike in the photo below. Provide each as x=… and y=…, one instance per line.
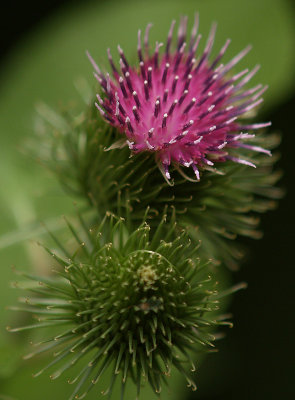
x=130, y=341
x=134, y=352
x=143, y=363
x=111, y=386
x=43, y=349
x=38, y=325
x=165, y=360
x=76, y=236
x=191, y=383
x=112, y=342
x=123, y=386
x=85, y=375
x=108, y=359
x=119, y=358
x=66, y=366
x=157, y=233
x=142, y=339
x=58, y=243
x=56, y=360
x=126, y=366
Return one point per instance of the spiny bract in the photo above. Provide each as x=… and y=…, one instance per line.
x=84, y=153
x=133, y=305
x=181, y=106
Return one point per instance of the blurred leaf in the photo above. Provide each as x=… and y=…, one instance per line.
x=9, y=360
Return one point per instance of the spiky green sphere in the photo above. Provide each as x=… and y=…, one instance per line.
x=131, y=303
x=86, y=155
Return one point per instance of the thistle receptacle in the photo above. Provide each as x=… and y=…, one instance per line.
x=132, y=303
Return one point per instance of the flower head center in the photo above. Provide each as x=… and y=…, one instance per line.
x=147, y=276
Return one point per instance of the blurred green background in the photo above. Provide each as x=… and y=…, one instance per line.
x=44, y=61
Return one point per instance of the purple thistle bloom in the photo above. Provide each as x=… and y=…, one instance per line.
x=179, y=105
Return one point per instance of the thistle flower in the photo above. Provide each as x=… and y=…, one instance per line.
x=132, y=304
x=180, y=106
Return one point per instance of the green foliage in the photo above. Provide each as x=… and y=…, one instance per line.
x=131, y=302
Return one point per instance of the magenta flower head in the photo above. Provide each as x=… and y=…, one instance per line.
x=179, y=105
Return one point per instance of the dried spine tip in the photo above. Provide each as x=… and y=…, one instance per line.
x=164, y=120
x=135, y=112
x=136, y=99
x=164, y=76
x=146, y=90
x=157, y=108
x=172, y=107
x=165, y=96
x=176, y=78
x=150, y=70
